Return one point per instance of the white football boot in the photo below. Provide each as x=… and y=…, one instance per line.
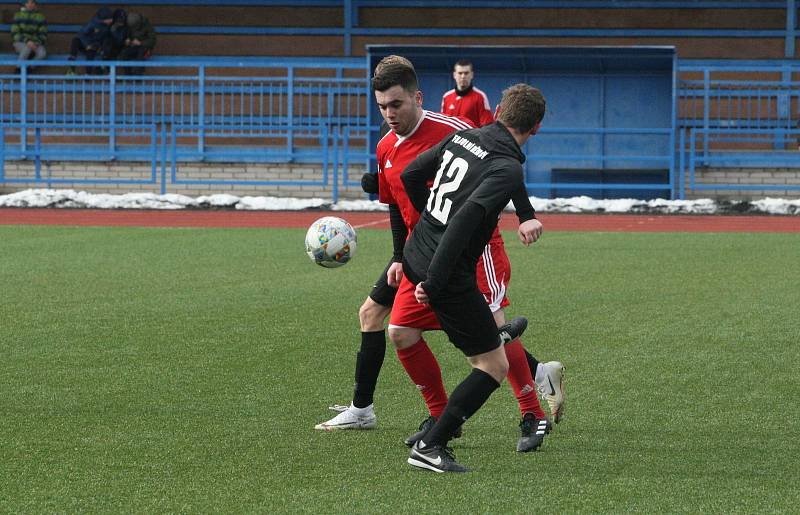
x=350, y=417
x=551, y=388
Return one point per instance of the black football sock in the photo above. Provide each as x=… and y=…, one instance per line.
x=532, y=364
x=369, y=361
x=465, y=400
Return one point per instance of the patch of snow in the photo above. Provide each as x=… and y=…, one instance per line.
x=81, y=199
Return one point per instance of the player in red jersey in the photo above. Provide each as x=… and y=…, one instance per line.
x=465, y=99
x=413, y=130
x=409, y=318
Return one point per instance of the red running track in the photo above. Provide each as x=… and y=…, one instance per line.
x=230, y=218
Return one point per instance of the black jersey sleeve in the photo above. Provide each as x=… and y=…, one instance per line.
x=522, y=205
x=454, y=241
x=399, y=232
x=499, y=186
x=416, y=175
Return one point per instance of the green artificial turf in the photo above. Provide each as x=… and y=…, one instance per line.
x=183, y=370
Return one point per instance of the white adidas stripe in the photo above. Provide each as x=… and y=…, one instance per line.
x=485, y=98
x=491, y=279
x=452, y=122
x=448, y=120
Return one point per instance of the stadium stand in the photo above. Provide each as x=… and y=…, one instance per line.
x=715, y=29
x=299, y=95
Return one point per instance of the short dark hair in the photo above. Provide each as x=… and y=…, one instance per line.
x=463, y=62
x=395, y=74
x=522, y=107
x=392, y=59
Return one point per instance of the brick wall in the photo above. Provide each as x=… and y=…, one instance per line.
x=185, y=172
x=311, y=172
x=745, y=176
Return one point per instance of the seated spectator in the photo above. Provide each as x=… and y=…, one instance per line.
x=29, y=32
x=117, y=34
x=90, y=39
x=139, y=44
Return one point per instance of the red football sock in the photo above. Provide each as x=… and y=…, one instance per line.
x=423, y=369
x=519, y=375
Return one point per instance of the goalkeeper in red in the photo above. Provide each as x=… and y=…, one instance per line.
x=475, y=174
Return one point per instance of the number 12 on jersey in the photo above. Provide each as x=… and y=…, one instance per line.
x=446, y=183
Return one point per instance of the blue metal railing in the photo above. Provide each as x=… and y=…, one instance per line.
x=39, y=153
x=737, y=115
x=279, y=112
x=206, y=113
x=162, y=151
x=197, y=101
x=758, y=96
x=320, y=153
x=699, y=155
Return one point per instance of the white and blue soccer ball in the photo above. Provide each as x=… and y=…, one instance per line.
x=331, y=242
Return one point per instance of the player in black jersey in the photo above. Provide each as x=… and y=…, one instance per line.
x=475, y=173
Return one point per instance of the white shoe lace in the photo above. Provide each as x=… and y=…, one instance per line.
x=338, y=407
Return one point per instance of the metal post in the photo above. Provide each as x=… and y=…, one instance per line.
x=37, y=149
x=784, y=109
x=153, y=152
x=331, y=106
x=325, y=164
x=201, y=110
x=2, y=153
x=112, y=111
x=335, y=147
x=706, y=106
x=674, y=127
x=164, y=158
x=345, y=152
x=691, y=158
x=681, y=164
x=349, y=15
x=290, y=112
x=23, y=107
x=603, y=122
x=791, y=27
x=173, y=161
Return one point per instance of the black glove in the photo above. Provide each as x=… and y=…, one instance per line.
x=369, y=183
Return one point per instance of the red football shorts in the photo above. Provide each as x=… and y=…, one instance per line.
x=493, y=274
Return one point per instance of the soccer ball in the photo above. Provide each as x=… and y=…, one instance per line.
x=330, y=242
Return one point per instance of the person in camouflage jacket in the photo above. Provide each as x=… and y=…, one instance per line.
x=29, y=32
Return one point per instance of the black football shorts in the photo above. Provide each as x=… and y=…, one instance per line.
x=464, y=316
x=468, y=321
x=381, y=292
